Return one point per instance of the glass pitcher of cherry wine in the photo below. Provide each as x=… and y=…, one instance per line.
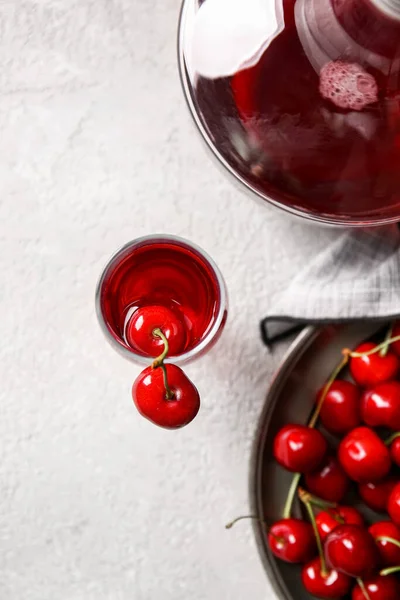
x=300, y=101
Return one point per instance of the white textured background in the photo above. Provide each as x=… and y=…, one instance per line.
x=96, y=148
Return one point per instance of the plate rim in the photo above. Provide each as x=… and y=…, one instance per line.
x=293, y=353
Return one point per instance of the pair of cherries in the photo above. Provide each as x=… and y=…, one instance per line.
x=162, y=392
x=348, y=551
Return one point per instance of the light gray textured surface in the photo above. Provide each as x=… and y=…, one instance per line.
x=96, y=147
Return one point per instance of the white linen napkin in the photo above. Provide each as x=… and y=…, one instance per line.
x=356, y=277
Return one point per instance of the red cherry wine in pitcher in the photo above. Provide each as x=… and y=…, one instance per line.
x=172, y=278
x=322, y=106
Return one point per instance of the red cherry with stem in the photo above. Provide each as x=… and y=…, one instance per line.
x=290, y=540
x=380, y=406
x=376, y=494
x=164, y=394
x=393, y=505
x=299, y=448
x=327, y=520
x=140, y=336
x=351, y=549
x=331, y=584
x=394, y=448
x=378, y=587
x=317, y=578
x=340, y=410
x=151, y=400
x=389, y=551
x=329, y=481
x=371, y=369
x=364, y=456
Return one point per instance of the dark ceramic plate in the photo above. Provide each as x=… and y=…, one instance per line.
x=291, y=398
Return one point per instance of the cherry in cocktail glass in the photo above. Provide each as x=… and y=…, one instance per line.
x=161, y=282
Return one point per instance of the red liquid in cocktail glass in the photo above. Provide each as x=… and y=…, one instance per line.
x=162, y=271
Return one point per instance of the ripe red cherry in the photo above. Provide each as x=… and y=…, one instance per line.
x=380, y=406
x=390, y=553
x=327, y=520
x=378, y=588
x=150, y=397
x=373, y=369
x=351, y=549
x=329, y=481
x=376, y=494
x=299, y=448
x=393, y=506
x=140, y=327
x=332, y=585
x=395, y=451
x=340, y=410
x=364, y=456
x=292, y=540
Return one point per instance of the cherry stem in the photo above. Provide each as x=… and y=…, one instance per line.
x=232, y=523
x=304, y=497
x=159, y=362
x=327, y=387
x=339, y=519
x=383, y=538
x=388, y=335
x=169, y=394
x=363, y=588
x=389, y=571
x=160, y=359
x=291, y=495
x=315, y=500
x=391, y=438
x=378, y=348
x=262, y=521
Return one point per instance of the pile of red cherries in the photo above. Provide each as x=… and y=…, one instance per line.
x=341, y=554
